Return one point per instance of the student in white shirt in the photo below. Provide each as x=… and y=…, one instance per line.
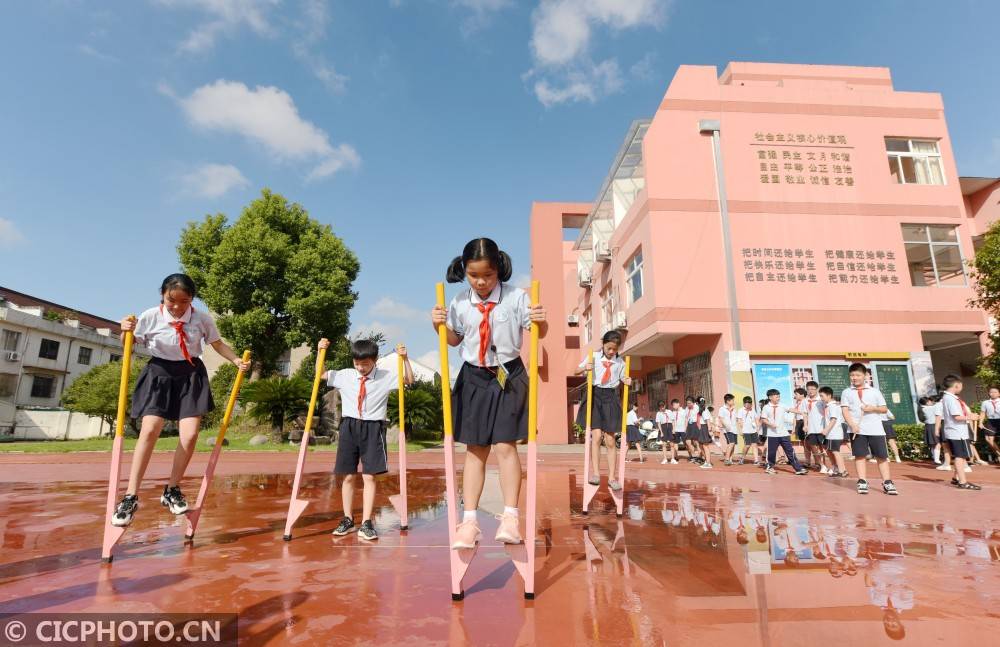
x=674, y=422
x=863, y=406
x=798, y=408
x=489, y=400
x=945, y=448
x=364, y=396
x=728, y=426
x=633, y=435
x=606, y=410
x=814, y=442
x=173, y=386
x=693, y=428
x=662, y=421
x=888, y=425
x=928, y=415
x=774, y=418
x=989, y=419
x=833, y=431
x=747, y=423
x=955, y=429
x=703, y=432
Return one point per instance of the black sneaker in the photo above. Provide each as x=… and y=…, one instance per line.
x=173, y=499
x=862, y=486
x=889, y=488
x=801, y=472
x=367, y=531
x=954, y=481
x=968, y=486
x=125, y=511
x=346, y=527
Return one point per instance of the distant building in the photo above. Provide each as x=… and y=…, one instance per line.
x=44, y=346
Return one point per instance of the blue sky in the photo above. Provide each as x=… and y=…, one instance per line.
x=410, y=126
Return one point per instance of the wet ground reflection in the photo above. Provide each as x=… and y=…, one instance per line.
x=741, y=558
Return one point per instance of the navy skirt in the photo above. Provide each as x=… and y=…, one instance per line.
x=929, y=437
x=633, y=435
x=703, y=435
x=172, y=390
x=607, y=412
x=483, y=413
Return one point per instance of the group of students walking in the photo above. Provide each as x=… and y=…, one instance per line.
x=820, y=420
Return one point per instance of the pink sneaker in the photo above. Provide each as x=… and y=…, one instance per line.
x=509, y=531
x=467, y=535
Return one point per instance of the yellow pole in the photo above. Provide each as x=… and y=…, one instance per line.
x=123, y=383
x=232, y=400
x=533, y=371
x=445, y=372
x=402, y=399
x=320, y=363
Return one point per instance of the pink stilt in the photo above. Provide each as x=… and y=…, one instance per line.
x=194, y=515
x=114, y=533
x=297, y=506
x=619, y=496
x=398, y=501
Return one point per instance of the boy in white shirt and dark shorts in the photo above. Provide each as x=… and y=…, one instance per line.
x=863, y=406
x=955, y=429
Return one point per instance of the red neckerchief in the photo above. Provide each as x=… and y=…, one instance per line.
x=178, y=327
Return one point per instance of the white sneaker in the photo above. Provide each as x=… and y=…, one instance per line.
x=664, y=462
x=943, y=467
x=871, y=460
x=823, y=470
x=706, y=466
x=967, y=469
x=899, y=460
x=673, y=461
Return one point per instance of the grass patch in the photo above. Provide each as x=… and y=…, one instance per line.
x=237, y=442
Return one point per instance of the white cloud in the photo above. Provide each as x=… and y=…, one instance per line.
x=312, y=31
x=222, y=17
x=266, y=115
x=9, y=233
x=394, y=333
x=91, y=51
x=432, y=359
x=562, y=34
x=522, y=281
x=480, y=13
x=213, y=180
x=389, y=308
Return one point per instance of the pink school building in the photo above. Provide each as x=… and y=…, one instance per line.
x=766, y=227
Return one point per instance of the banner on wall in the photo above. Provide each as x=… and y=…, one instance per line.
x=773, y=376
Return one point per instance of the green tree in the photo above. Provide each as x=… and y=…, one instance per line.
x=221, y=385
x=276, y=277
x=338, y=356
x=986, y=282
x=95, y=393
x=276, y=400
x=423, y=407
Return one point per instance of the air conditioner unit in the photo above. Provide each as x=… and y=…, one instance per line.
x=672, y=376
x=13, y=356
x=573, y=320
x=584, y=278
x=602, y=251
x=620, y=321
x=605, y=328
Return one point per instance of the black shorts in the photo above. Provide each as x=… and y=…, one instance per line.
x=361, y=440
x=800, y=429
x=730, y=438
x=749, y=439
x=959, y=448
x=815, y=439
x=678, y=438
x=863, y=445
x=890, y=431
x=833, y=444
x=992, y=427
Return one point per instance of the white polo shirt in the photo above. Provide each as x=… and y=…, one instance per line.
x=833, y=412
x=991, y=408
x=661, y=417
x=380, y=383
x=617, y=366
x=775, y=414
x=727, y=416
x=747, y=420
x=680, y=420
x=954, y=429
x=508, y=321
x=815, y=415
x=869, y=424
x=153, y=330
x=632, y=418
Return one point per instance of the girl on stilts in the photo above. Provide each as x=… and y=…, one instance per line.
x=173, y=386
x=606, y=411
x=490, y=396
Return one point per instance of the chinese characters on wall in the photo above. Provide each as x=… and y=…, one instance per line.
x=803, y=158
x=839, y=266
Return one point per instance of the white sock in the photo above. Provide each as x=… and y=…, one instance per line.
x=468, y=515
x=509, y=510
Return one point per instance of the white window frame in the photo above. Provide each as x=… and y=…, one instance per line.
x=931, y=244
x=897, y=155
x=11, y=335
x=630, y=273
x=588, y=328
x=608, y=308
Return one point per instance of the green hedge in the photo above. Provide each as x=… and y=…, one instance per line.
x=910, y=439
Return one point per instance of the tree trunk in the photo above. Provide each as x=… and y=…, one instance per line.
x=277, y=429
